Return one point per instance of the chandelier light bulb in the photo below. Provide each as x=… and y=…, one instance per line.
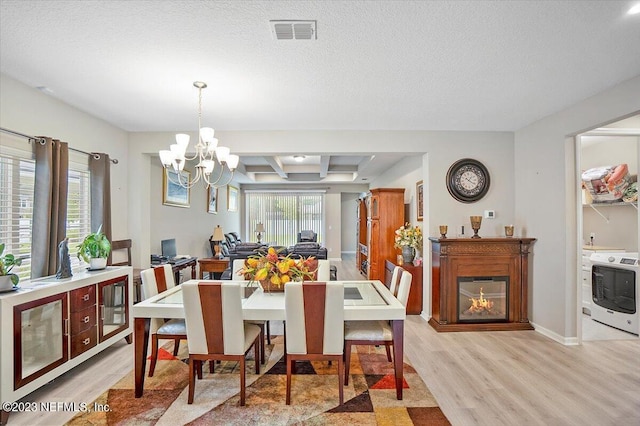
x=222, y=152
x=212, y=145
x=182, y=139
x=206, y=134
x=232, y=161
x=208, y=166
x=166, y=157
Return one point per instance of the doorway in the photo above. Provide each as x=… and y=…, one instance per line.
x=607, y=223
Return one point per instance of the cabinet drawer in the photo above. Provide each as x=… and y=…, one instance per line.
x=82, y=298
x=82, y=320
x=83, y=341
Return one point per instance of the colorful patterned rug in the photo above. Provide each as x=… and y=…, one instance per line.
x=370, y=398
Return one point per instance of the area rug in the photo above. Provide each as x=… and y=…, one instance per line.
x=370, y=398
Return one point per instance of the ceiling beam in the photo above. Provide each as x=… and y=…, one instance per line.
x=324, y=165
x=277, y=166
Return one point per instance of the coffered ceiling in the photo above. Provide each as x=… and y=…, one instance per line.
x=368, y=65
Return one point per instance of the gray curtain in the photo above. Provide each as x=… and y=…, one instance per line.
x=49, y=205
x=100, y=169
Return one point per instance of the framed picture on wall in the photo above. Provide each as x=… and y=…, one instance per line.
x=174, y=194
x=420, y=200
x=232, y=198
x=212, y=197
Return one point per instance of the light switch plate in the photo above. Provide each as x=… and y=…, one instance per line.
x=489, y=214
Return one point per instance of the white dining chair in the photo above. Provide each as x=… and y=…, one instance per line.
x=213, y=315
x=314, y=313
x=155, y=281
x=374, y=332
x=395, y=278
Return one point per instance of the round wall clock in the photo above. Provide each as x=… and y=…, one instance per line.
x=468, y=180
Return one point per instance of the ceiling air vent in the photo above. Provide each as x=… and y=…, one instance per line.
x=293, y=30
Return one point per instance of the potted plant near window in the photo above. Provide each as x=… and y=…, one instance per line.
x=94, y=250
x=7, y=261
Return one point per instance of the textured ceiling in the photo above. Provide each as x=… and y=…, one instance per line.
x=375, y=65
x=411, y=65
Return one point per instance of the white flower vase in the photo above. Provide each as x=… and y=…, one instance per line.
x=407, y=254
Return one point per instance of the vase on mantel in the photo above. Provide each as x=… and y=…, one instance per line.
x=408, y=253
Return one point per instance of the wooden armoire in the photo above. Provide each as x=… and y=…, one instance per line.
x=385, y=214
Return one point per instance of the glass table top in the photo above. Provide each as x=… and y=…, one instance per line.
x=356, y=293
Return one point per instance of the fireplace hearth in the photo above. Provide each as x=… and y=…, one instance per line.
x=480, y=284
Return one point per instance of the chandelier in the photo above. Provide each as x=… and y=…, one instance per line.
x=212, y=159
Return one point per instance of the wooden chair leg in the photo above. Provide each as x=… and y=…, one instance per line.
x=289, y=362
x=262, y=351
x=347, y=361
x=388, y=347
x=242, y=380
x=259, y=354
x=192, y=380
x=154, y=354
x=176, y=346
x=199, y=369
x=268, y=333
x=341, y=381
x=212, y=366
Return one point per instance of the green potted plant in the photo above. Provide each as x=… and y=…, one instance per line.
x=95, y=249
x=7, y=261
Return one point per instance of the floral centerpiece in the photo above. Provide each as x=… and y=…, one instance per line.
x=274, y=270
x=408, y=238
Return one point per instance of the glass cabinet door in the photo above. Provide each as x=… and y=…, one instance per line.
x=113, y=301
x=40, y=337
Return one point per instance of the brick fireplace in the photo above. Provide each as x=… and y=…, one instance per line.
x=480, y=284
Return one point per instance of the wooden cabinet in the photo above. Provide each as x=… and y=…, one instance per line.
x=414, y=303
x=385, y=214
x=51, y=325
x=40, y=341
x=362, y=255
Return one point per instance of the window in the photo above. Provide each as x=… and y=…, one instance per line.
x=284, y=214
x=78, y=204
x=17, y=178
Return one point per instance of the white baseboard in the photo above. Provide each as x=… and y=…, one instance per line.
x=567, y=341
x=349, y=252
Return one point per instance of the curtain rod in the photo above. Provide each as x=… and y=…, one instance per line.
x=94, y=154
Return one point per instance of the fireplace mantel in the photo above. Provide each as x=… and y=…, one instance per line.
x=482, y=258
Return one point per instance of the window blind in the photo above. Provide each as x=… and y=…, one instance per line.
x=284, y=214
x=78, y=204
x=17, y=179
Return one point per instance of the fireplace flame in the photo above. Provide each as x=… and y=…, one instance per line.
x=480, y=305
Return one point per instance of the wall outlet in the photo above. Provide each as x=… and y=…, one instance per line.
x=489, y=214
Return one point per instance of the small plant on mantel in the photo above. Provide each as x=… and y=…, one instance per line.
x=7, y=262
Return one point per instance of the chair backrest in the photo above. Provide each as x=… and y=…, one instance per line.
x=395, y=277
x=213, y=316
x=156, y=280
x=404, y=287
x=237, y=265
x=307, y=236
x=121, y=245
x=314, y=314
x=324, y=270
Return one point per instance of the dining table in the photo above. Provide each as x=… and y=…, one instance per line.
x=363, y=301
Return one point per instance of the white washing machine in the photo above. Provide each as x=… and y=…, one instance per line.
x=615, y=290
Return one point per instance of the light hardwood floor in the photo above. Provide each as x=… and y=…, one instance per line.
x=481, y=378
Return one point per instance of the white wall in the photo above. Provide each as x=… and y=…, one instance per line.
x=546, y=204
x=349, y=215
x=27, y=110
x=621, y=227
